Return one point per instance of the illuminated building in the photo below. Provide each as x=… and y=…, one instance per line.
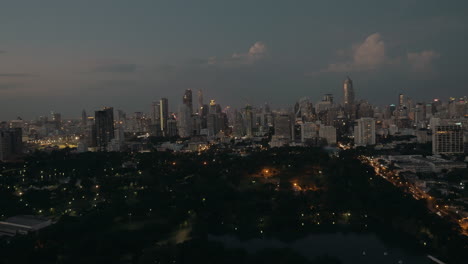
x=447, y=137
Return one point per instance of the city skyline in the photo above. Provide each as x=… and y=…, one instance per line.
x=67, y=56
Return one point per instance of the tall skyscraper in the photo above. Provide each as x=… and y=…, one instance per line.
x=200, y=102
x=164, y=115
x=155, y=113
x=248, y=113
x=184, y=121
x=11, y=144
x=84, y=118
x=348, y=99
x=348, y=90
x=447, y=137
x=187, y=100
x=104, y=121
x=364, y=132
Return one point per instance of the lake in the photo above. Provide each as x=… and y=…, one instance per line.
x=350, y=248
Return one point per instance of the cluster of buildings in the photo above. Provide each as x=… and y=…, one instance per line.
x=197, y=122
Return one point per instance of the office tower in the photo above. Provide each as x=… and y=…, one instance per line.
x=171, y=127
x=163, y=115
x=348, y=90
x=348, y=99
x=447, y=137
x=84, y=118
x=364, y=132
x=11, y=143
x=104, y=121
x=283, y=126
x=200, y=101
x=184, y=121
x=419, y=113
x=211, y=125
x=248, y=117
x=238, y=130
x=187, y=100
x=155, y=113
x=328, y=133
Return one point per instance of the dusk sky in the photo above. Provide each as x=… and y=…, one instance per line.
x=66, y=56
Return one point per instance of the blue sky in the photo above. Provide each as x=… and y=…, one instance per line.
x=69, y=55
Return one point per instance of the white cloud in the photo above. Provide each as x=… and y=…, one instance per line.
x=423, y=61
x=256, y=52
x=368, y=55
x=371, y=55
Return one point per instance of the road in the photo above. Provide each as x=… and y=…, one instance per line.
x=418, y=194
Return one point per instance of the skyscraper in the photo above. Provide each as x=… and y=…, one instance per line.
x=348, y=99
x=155, y=113
x=104, y=121
x=84, y=118
x=163, y=115
x=248, y=113
x=200, y=102
x=348, y=90
x=187, y=100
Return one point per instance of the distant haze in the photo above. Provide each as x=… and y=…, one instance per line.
x=65, y=56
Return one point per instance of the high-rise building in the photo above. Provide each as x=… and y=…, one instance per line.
x=184, y=121
x=348, y=91
x=348, y=99
x=200, y=101
x=249, y=122
x=84, y=118
x=104, y=122
x=155, y=113
x=447, y=137
x=364, y=132
x=11, y=144
x=164, y=115
x=283, y=126
x=171, y=127
x=187, y=100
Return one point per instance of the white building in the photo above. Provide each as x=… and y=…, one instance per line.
x=364, y=132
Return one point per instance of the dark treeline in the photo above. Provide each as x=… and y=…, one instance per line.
x=135, y=213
